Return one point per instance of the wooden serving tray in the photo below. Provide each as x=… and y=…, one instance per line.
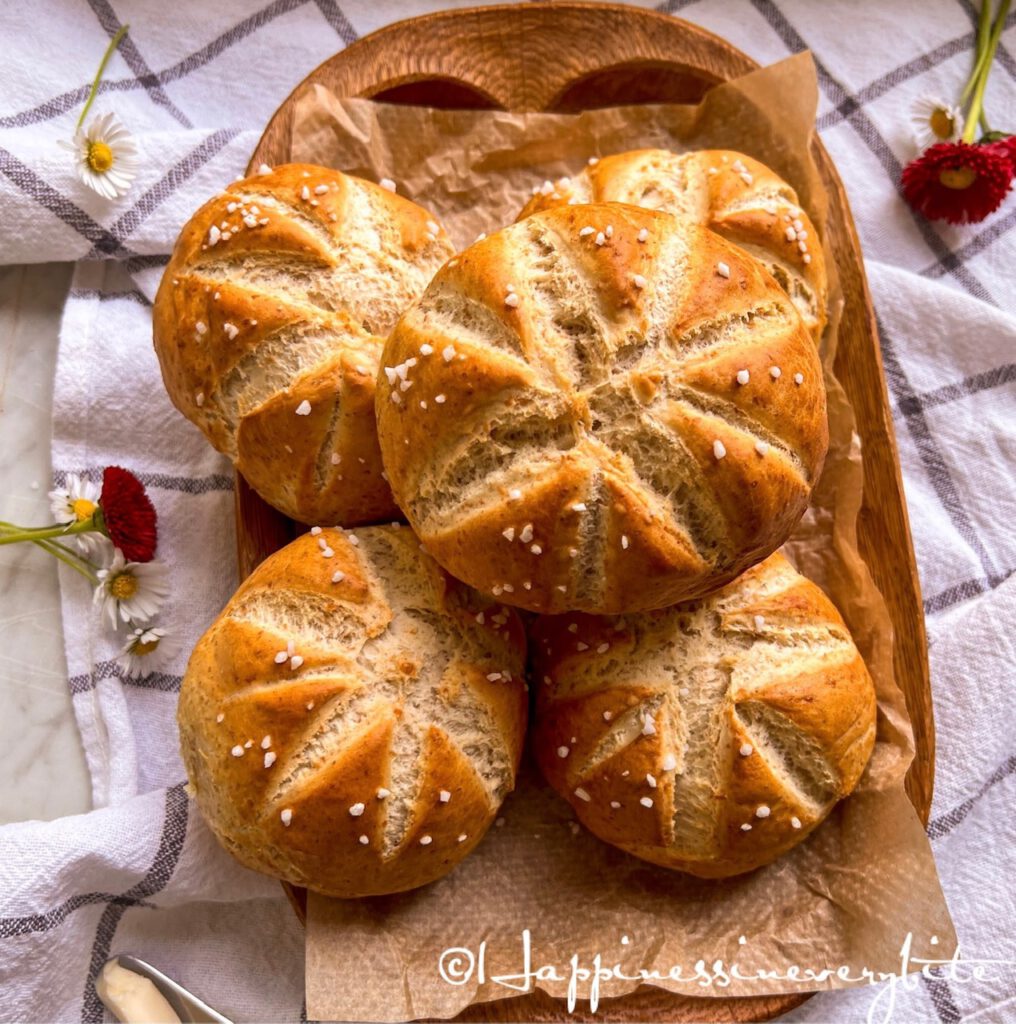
x=567, y=57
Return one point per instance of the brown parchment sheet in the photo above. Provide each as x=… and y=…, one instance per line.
x=847, y=897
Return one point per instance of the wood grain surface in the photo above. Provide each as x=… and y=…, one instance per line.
x=565, y=57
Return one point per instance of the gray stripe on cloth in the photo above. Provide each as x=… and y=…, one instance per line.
x=334, y=16
x=942, y=998
x=944, y=824
x=1002, y=55
x=972, y=385
x=132, y=295
x=85, y=682
x=887, y=82
x=129, y=222
x=137, y=263
x=931, y=458
x=161, y=481
x=870, y=136
x=103, y=241
x=174, y=832
x=61, y=104
x=133, y=59
x=999, y=226
x=964, y=591
x=673, y=6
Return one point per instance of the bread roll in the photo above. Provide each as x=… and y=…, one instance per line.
x=269, y=323
x=710, y=737
x=563, y=420
x=353, y=719
x=730, y=193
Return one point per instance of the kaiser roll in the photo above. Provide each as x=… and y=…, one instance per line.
x=730, y=193
x=710, y=737
x=601, y=408
x=353, y=719
x=269, y=324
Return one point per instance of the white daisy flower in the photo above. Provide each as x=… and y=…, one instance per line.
x=935, y=121
x=131, y=591
x=107, y=157
x=145, y=650
x=76, y=502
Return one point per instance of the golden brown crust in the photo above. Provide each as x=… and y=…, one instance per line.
x=580, y=388
x=728, y=192
x=269, y=324
x=394, y=677
x=764, y=665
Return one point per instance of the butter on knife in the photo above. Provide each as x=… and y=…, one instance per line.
x=137, y=993
x=132, y=998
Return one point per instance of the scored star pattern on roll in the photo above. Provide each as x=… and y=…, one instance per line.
x=660, y=367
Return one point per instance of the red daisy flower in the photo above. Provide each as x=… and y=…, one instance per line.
x=958, y=182
x=128, y=514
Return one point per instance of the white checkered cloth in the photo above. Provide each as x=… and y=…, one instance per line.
x=195, y=82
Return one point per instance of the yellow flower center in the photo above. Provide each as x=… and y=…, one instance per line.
x=83, y=509
x=942, y=123
x=124, y=586
x=145, y=646
x=960, y=177
x=100, y=157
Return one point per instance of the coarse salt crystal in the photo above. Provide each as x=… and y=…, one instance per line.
x=639, y=281
x=722, y=269
x=762, y=811
x=601, y=238
x=719, y=450
x=356, y=810
x=563, y=751
x=511, y=300
x=303, y=409
x=646, y=801
x=761, y=447
x=669, y=762
x=799, y=379
x=582, y=794
x=388, y=184
x=237, y=751
x=270, y=758
x=746, y=750
x=444, y=796
x=743, y=376
x=287, y=816
x=643, y=234
x=795, y=822
x=775, y=372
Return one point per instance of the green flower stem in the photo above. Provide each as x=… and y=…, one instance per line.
x=68, y=557
x=983, y=32
x=987, y=57
x=11, y=534
x=113, y=44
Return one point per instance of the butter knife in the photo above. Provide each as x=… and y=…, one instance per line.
x=187, y=1007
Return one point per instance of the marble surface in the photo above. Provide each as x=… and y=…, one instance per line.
x=45, y=770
